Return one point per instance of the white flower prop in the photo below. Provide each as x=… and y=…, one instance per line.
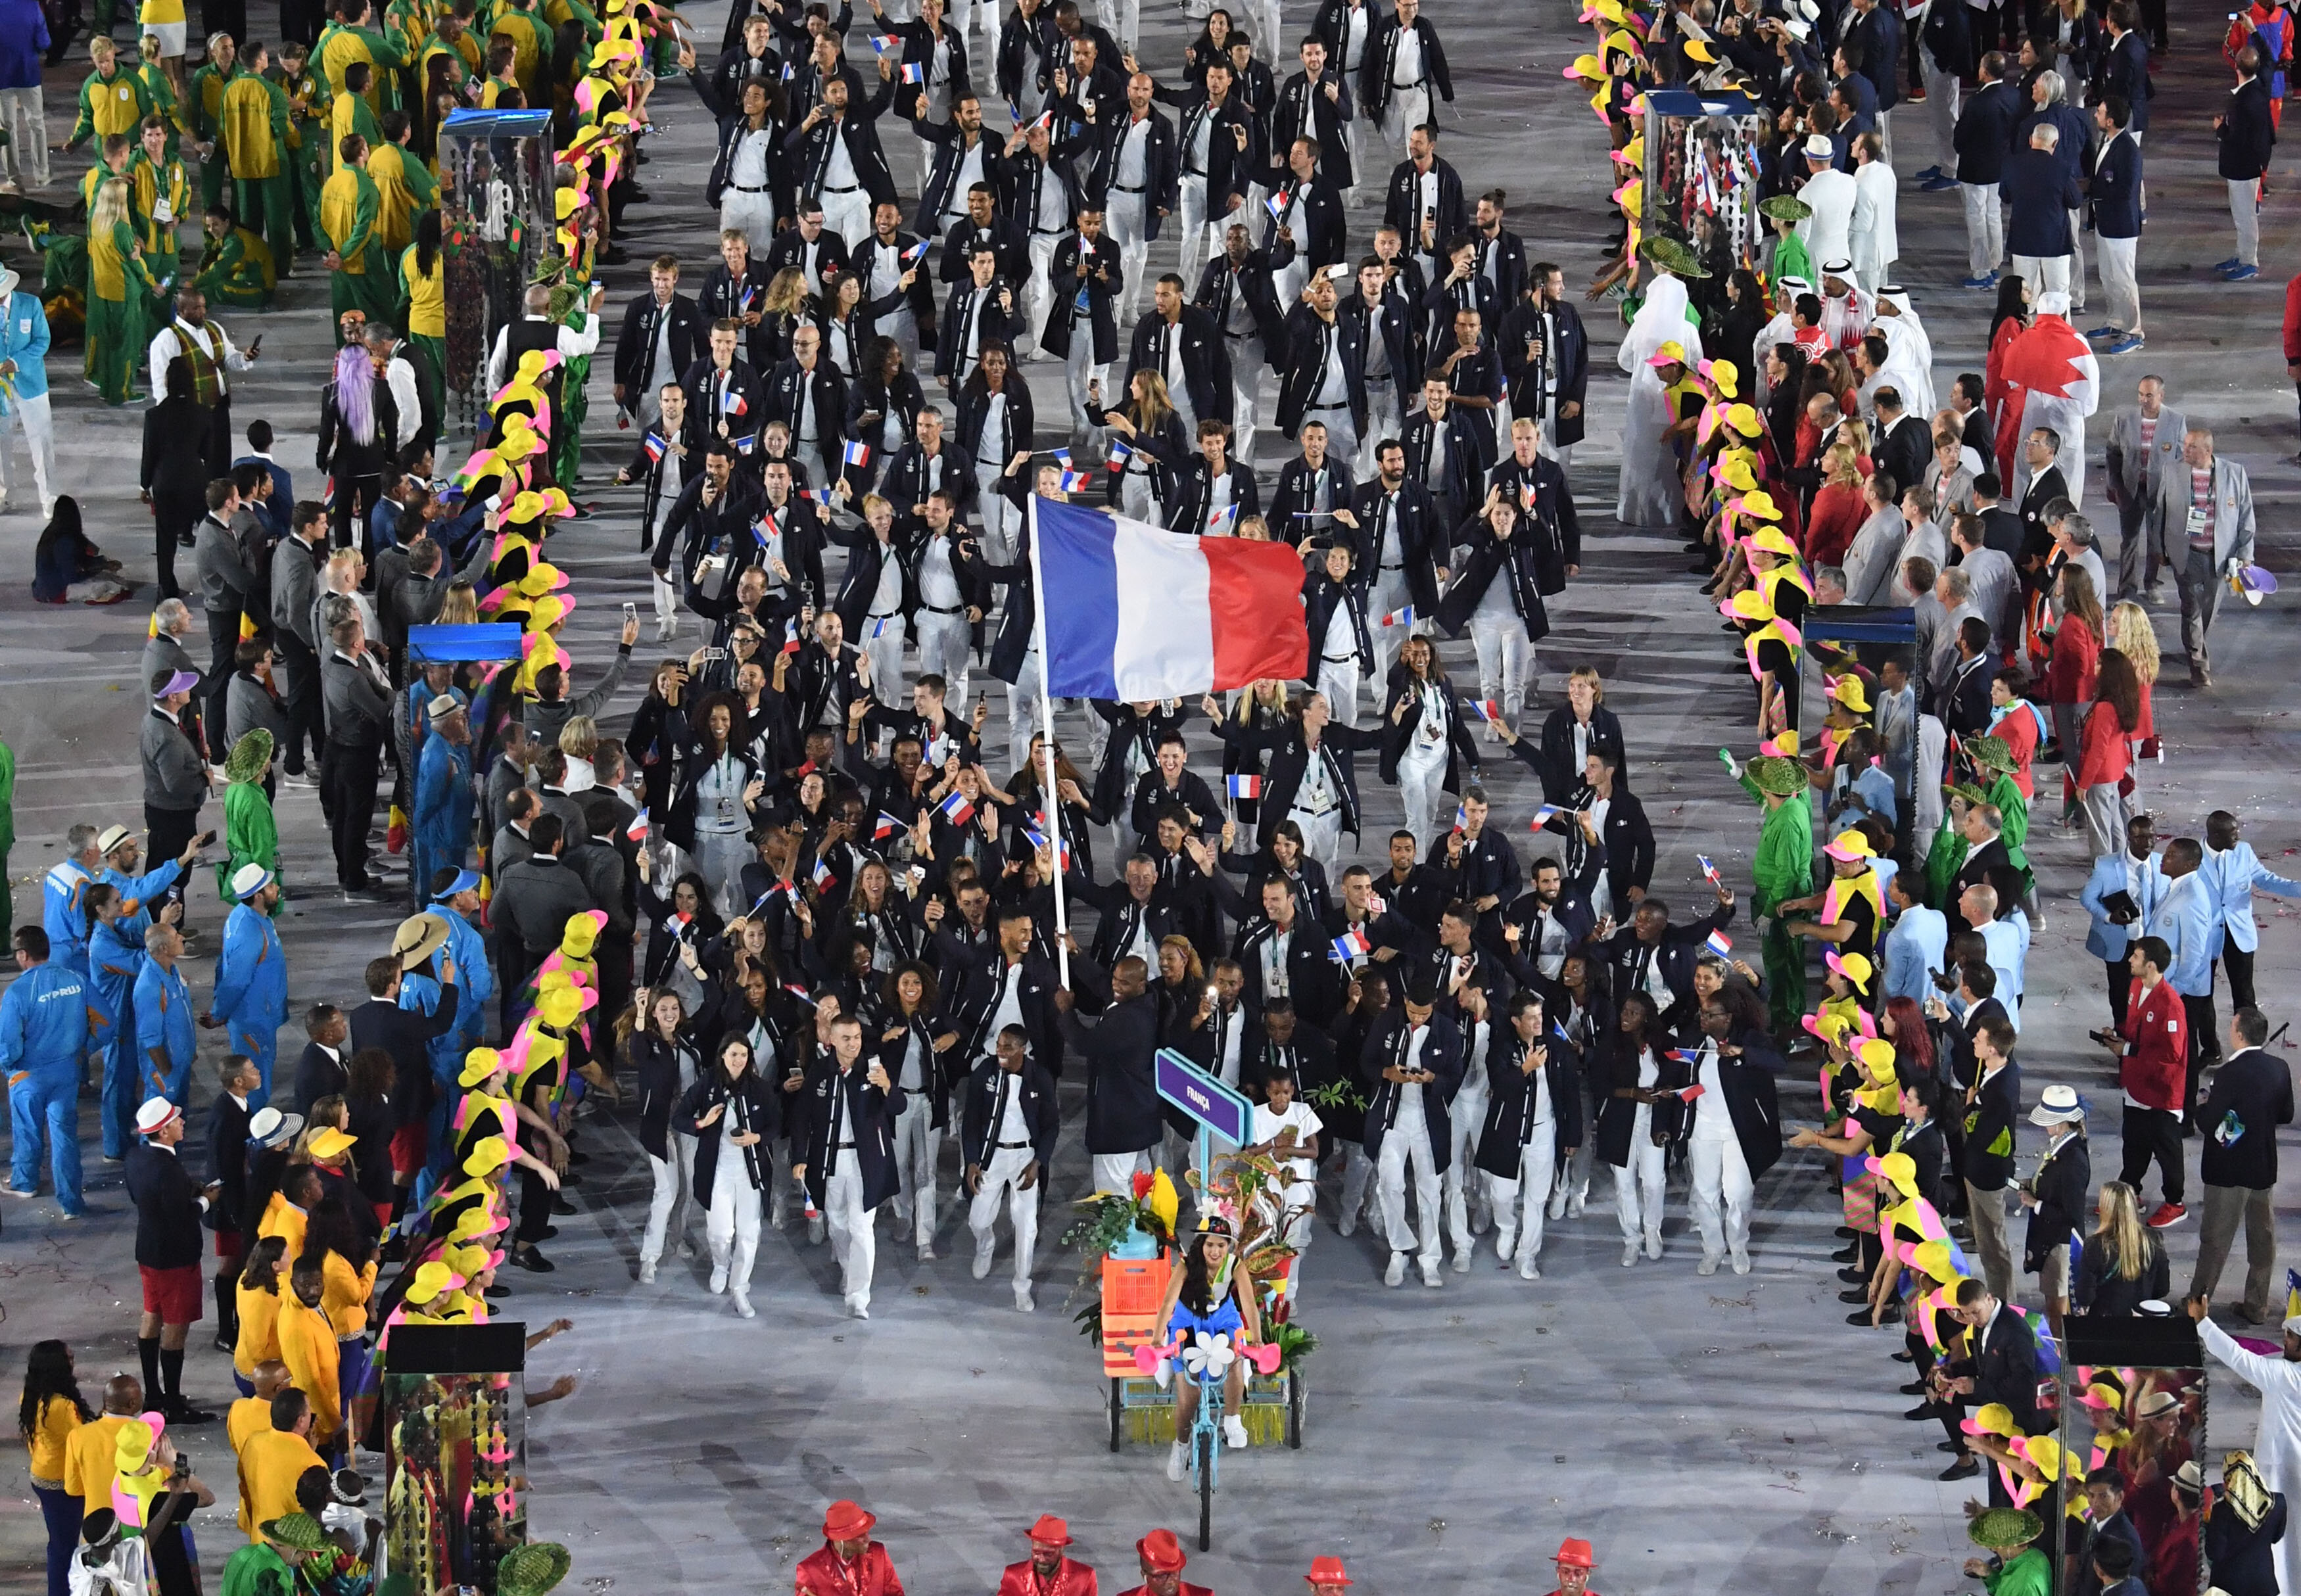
x=1208, y=1357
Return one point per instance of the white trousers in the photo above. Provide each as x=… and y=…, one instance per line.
x=1022, y=711
x=1563, y=453
x=848, y=214
x=1039, y=293
x=1124, y=219
x=1519, y=1205
x=666, y=597
x=754, y=214
x=733, y=1227
x=1721, y=1195
x=1638, y=1184
x=38, y=423
x=918, y=1146
x=1941, y=106
x=1422, y=776
x=2076, y=290
x=1383, y=420
x=27, y=126
x=852, y=1238
x=1196, y=242
x=1408, y=110
x=2244, y=199
x=2120, y=294
x=2045, y=274
x=1115, y=1172
x=1122, y=18
x=1081, y=370
x=719, y=859
x=942, y=651
x=1246, y=361
x=1985, y=227
x=1401, y=1146
x=1466, y=1197
x=1340, y=683
x=667, y=1204
x=1506, y=671
x=1358, y=1175
x=1386, y=595
x=882, y=643
x=1002, y=522
x=999, y=1177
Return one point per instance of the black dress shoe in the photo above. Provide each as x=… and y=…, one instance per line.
x=1905, y=1355
x=560, y=1205
x=1951, y=1446
x=1915, y=1388
x=549, y=1231
x=528, y=1259
x=1922, y=1410
x=1860, y=1315
x=1854, y=1274
x=1846, y=1232
x=178, y=1411
x=1964, y=1469
x=575, y=1158
x=1853, y=1294
x=498, y=1291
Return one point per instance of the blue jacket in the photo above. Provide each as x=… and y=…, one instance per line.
x=475, y=982
x=24, y=323
x=46, y=1022
x=2039, y=193
x=137, y=893
x=2114, y=194
x=283, y=482
x=2231, y=878
x=115, y=959
x=443, y=796
x=1916, y=949
x=2247, y=133
x=1880, y=33
x=2107, y=941
x=65, y=917
x=164, y=1020
x=1984, y=132
x=2125, y=71
x=2187, y=919
x=420, y=994
x=251, y=985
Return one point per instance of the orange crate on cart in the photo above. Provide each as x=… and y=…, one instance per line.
x=1134, y=1290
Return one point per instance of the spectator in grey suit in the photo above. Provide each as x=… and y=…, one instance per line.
x=1869, y=559
x=1922, y=539
x=1991, y=581
x=2217, y=495
x=295, y=584
x=2145, y=446
x=1945, y=603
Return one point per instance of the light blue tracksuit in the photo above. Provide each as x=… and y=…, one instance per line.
x=251, y=992
x=115, y=959
x=46, y=1025
x=443, y=808
x=164, y=1022
x=141, y=892
x=65, y=915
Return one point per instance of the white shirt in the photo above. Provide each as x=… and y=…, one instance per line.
x=749, y=169
x=1010, y=1011
x=1134, y=154
x=839, y=171
x=1305, y=1122
x=937, y=585
x=994, y=431
x=1012, y=1126
x=1410, y=1116
x=1406, y=64
x=572, y=342
x=887, y=598
x=1334, y=388
x=1273, y=954
x=170, y=340
x=1317, y=795
x=1340, y=642
x=1712, y=1120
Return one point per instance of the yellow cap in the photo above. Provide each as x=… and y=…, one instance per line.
x=490, y=1154
x=328, y=1142
x=479, y=1064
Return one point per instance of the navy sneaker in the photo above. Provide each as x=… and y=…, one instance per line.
x=1937, y=185
x=2102, y=332
x=2130, y=344
x=1930, y=174
x=2241, y=275
x=1979, y=283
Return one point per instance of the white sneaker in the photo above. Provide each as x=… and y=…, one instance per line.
x=1023, y=1303
x=1630, y=1254
x=902, y=1213
x=743, y=1309
x=1178, y=1461
x=1431, y=1277
x=1574, y=1206
x=718, y=1280
x=1741, y=1262
x=1505, y=1243
x=646, y=1272
x=1708, y=1265
x=1234, y=1432
x=1462, y=1261
x=1558, y=1204
x=981, y=1264
x=926, y=1252
x=1526, y=1271
x=1395, y=1274
x=1347, y=1225
x=816, y=1230
x=687, y=1251
x=1653, y=1243
x=856, y=1308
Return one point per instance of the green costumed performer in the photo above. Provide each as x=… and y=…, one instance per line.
x=250, y=832
x=1784, y=872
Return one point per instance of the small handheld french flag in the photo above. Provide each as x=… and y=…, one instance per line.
x=1543, y=816
x=1121, y=456
x=1708, y=869
x=1352, y=945
x=790, y=637
x=881, y=43
x=637, y=829
x=746, y=444
x=918, y=252
x=1038, y=838
x=1404, y=617
x=957, y=809
x=885, y=827
x=1063, y=458
x=1489, y=710
x=1720, y=944
x=750, y=293
x=1246, y=787
x=1222, y=520
x=1075, y=482
x=821, y=495
x=656, y=447
x=914, y=73
x=1276, y=207
x=824, y=876
x=734, y=403
x=857, y=453
x=1461, y=818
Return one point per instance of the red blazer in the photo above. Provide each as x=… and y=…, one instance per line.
x=1072, y=1579
x=2069, y=668
x=2156, y=1031
x=821, y=1573
x=2104, y=754
x=1838, y=514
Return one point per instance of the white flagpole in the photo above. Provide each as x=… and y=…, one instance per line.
x=1048, y=798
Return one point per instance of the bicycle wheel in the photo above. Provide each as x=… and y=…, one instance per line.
x=1206, y=1444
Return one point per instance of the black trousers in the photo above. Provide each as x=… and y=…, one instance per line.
x=2120, y=987
x=219, y=449
x=2152, y=1133
x=166, y=830
x=2238, y=962
x=173, y=517
x=303, y=667
x=347, y=520
x=223, y=644
x=350, y=774
x=2204, y=1048
x=534, y=1208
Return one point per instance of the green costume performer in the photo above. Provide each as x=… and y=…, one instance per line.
x=251, y=835
x=1784, y=871
x=254, y=144
x=363, y=279
x=262, y=1570
x=567, y=426
x=2023, y=1569
x=1947, y=857
x=238, y=268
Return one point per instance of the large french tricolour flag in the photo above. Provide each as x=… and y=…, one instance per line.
x=1137, y=613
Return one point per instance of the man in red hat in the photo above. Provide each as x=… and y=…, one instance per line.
x=1047, y=1572
x=1574, y=1565
x=850, y=1563
x=1162, y=1567
x=1326, y=1577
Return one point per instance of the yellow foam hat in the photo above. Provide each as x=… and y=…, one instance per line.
x=1700, y=50
x=1725, y=376
x=583, y=934
x=489, y=1153
x=1735, y=469
x=1588, y=68
x=479, y=1064
x=1774, y=540
x=1759, y=507
x=540, y=579
x=328, y=1142
x=548, y=612
x=1900, y=1171
x=566, y=202
x=560, y=1008
x=1749, y=604
x=132, y=1447
x=430, y=1280
x=1743, y=418
x=1848, y=691
x=1877, y=1056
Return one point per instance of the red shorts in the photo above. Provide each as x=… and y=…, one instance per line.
x=407, y=1149
x=227, y=1244
x=176, y=1295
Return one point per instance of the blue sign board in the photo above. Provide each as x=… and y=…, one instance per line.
x=1217, y=1108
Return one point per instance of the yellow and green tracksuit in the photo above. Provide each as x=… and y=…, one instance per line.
x=254, y=147
x=151, y=188
x=404, y=187
x=238, y=270
x=363, y=279
x=108, y=104
x=206, y=98
x=119, y=288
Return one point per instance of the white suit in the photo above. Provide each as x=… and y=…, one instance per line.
x=1827, y=231
x=2277, y=1443
x=1650, y=494
x=1874, y=243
